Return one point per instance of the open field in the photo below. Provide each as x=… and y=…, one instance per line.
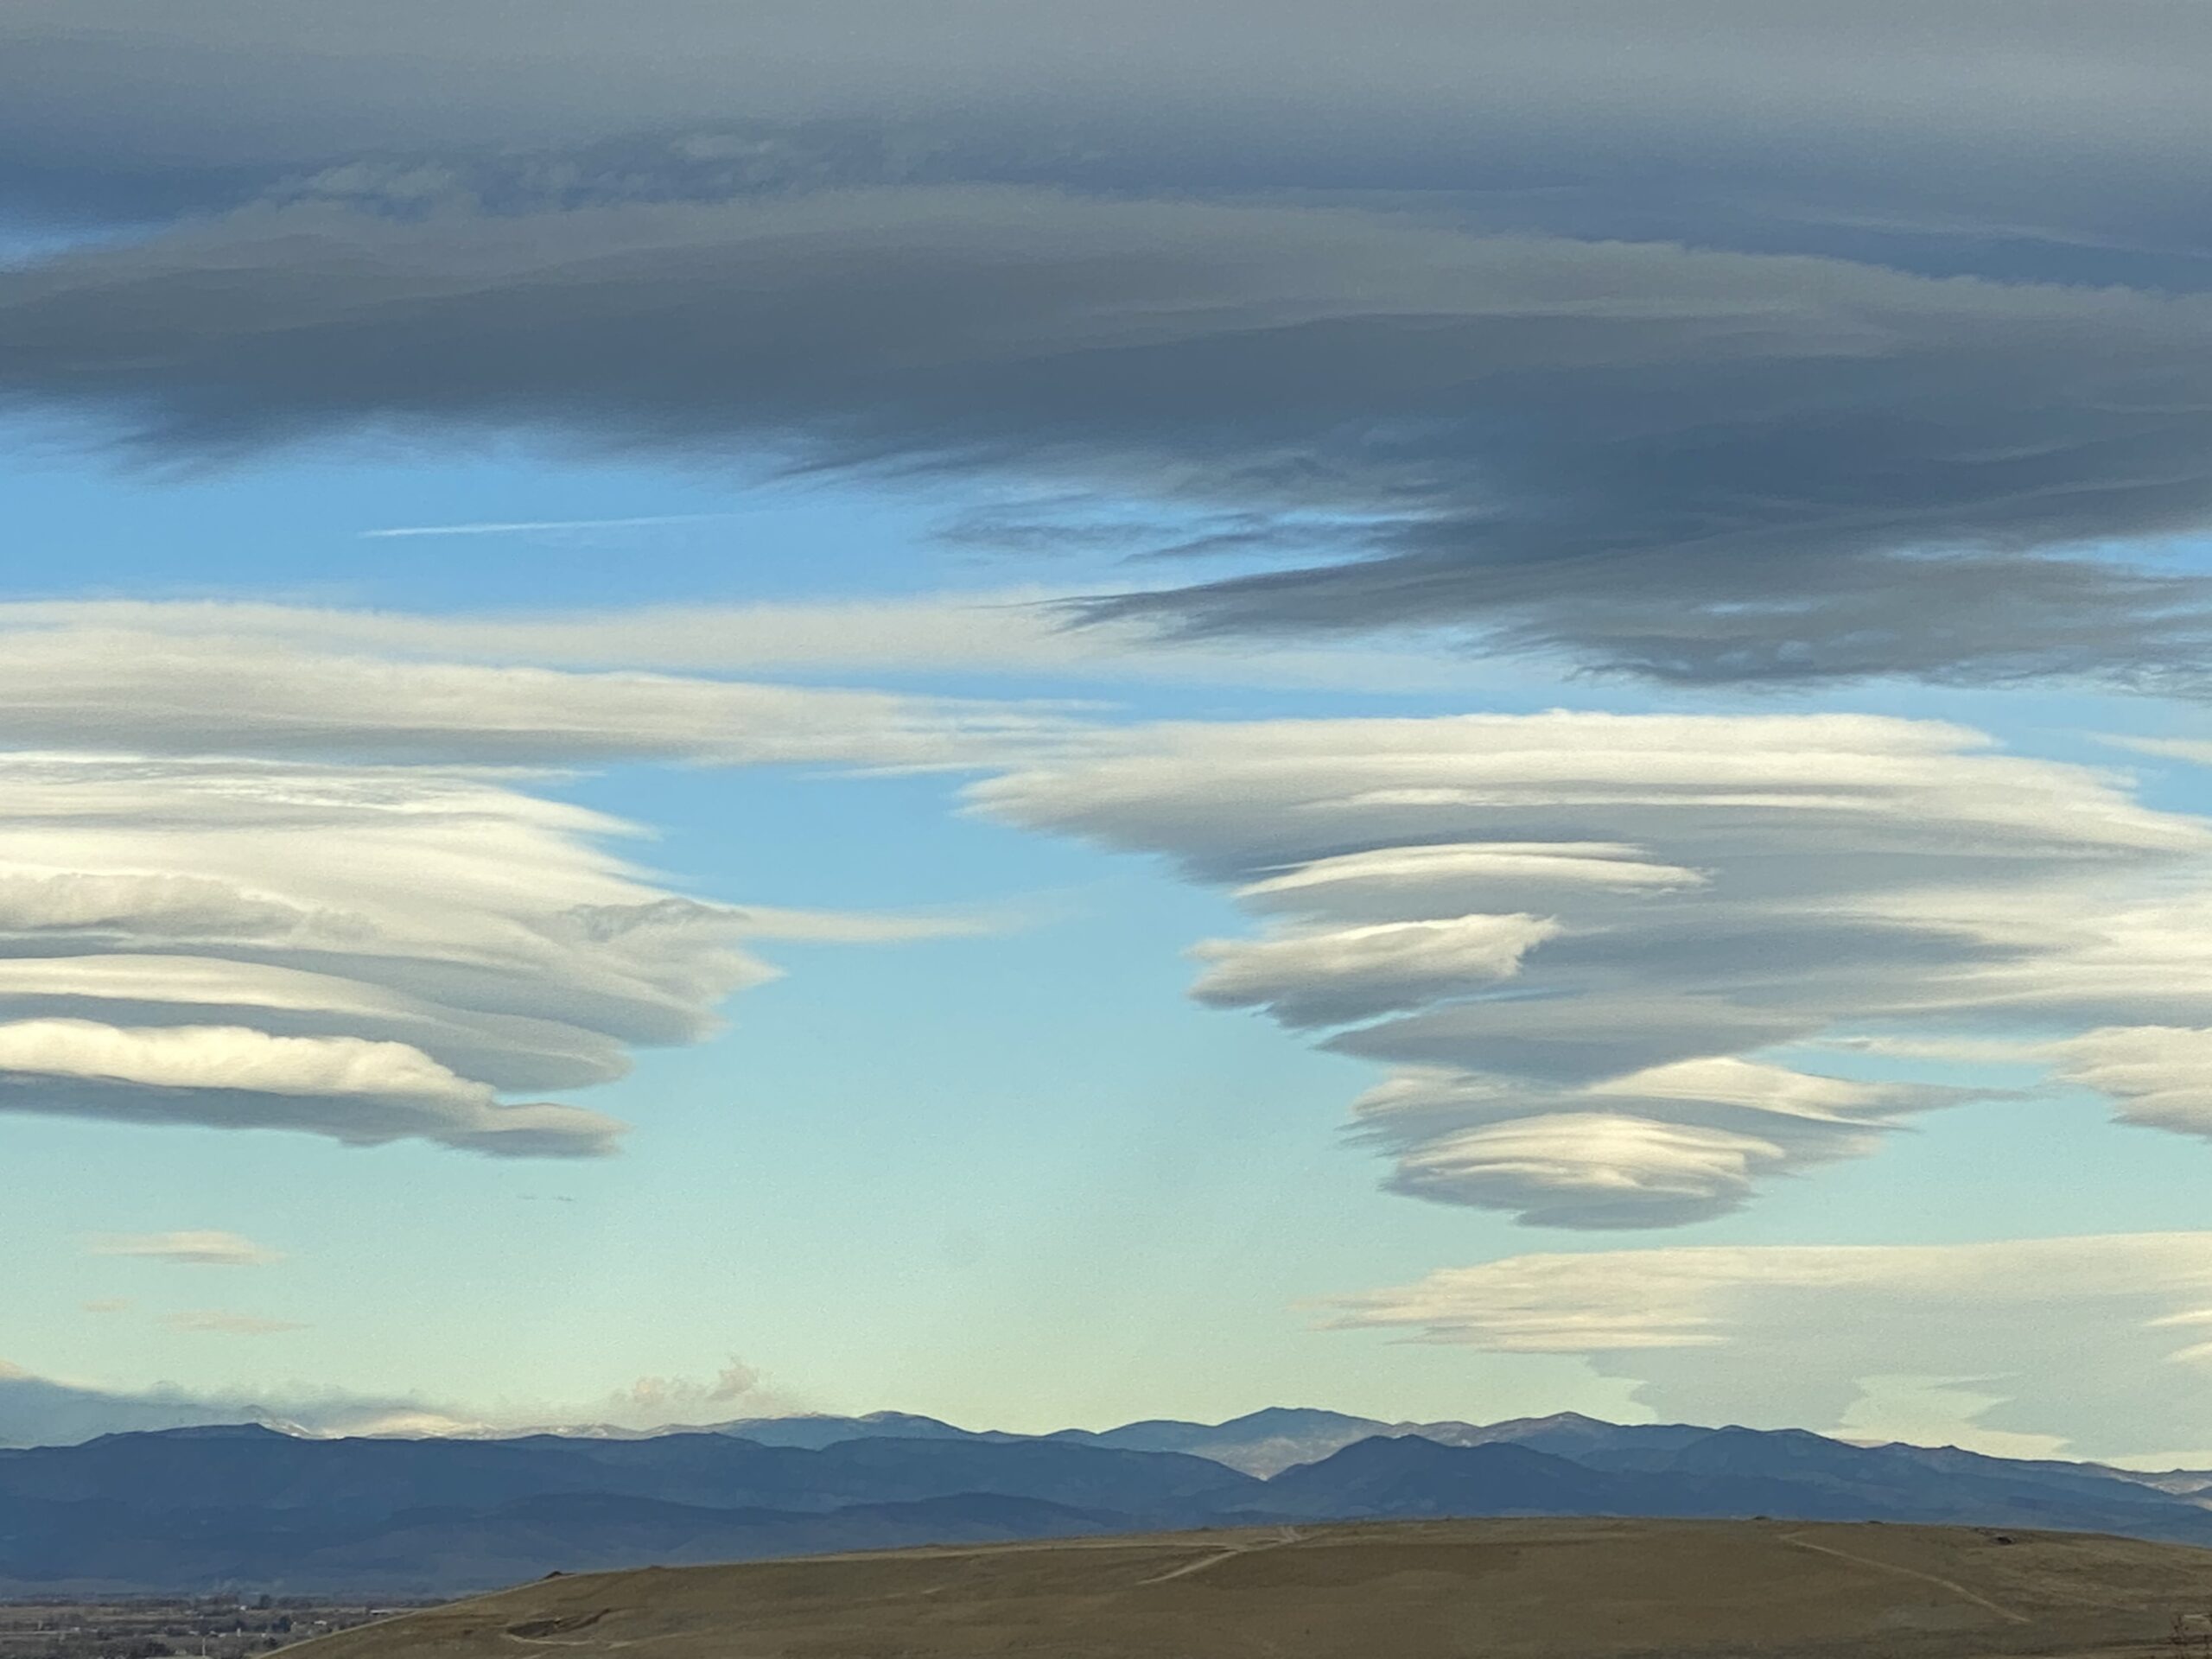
x=1537, y=1589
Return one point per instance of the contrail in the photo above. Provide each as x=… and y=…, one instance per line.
x=525, y=528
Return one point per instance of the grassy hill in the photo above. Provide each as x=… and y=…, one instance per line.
x=1420, y=1590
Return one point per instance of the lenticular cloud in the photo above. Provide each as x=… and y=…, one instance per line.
x=1613, y=963
x=361, y=952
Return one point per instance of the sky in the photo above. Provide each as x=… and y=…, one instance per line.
x=1052, y=714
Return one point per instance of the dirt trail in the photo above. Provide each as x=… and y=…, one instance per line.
x=1288, y=1535
x=1951, y=1585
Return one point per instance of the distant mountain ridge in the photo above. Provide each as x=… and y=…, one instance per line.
x=248, y=1506
x=1262, y=1443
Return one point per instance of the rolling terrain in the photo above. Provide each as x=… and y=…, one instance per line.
x=1518, y=1589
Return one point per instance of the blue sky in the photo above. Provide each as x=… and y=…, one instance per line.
x=867, y=1218
x=1017, y=1178
x=665, y=764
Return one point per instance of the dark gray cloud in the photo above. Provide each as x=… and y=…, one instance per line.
x=1710, y=342
x=2013, y=114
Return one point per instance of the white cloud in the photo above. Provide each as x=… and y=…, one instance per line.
x=265, y=868
x=1597, y=951
x=2017, y=1346
x=362, y=952
x=168, y=688
x=1669, y=1142
x=1008, y=631
x=2160, y=1076
x=300, y=900
x=736, y=1390
x=205, y=1248
x=1360, y=972
x=2195, y=751
x=1409, y=873
x=358, y=1091
x=1596, y=1161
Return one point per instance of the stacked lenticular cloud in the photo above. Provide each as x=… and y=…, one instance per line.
x=1605, y=956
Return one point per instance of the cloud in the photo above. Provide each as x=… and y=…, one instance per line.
x=1530, y=919
x=736, y=1390
x=1607, y=958
x=361, y=1093
x=1693, y=463
x=221, y=1323
x=2094, y=1342
x=1790, y=353
x=367, y=953
x=2160, y=1076
x=181, y=651
x=250, y=881
x=1669, y=1143
x=45, y=1411
x=204, y=1248
x=1714, y=101
x=156, y=690
x=36, y=1410
x=2191, y=750
x=1361, y=971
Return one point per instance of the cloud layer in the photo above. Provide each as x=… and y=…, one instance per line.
x=1596, y=950
x=2092, y=1346
x=2024, y=117
x=1818, y=345
x=1786, y=467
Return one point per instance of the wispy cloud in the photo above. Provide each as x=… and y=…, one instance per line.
x=221, y=1323
x=193, y=1248
x=543, y=526
x=1010, y=631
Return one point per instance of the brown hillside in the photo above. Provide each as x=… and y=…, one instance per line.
x=1426, y=1590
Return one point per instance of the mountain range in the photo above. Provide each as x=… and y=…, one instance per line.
x=249, y=1507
